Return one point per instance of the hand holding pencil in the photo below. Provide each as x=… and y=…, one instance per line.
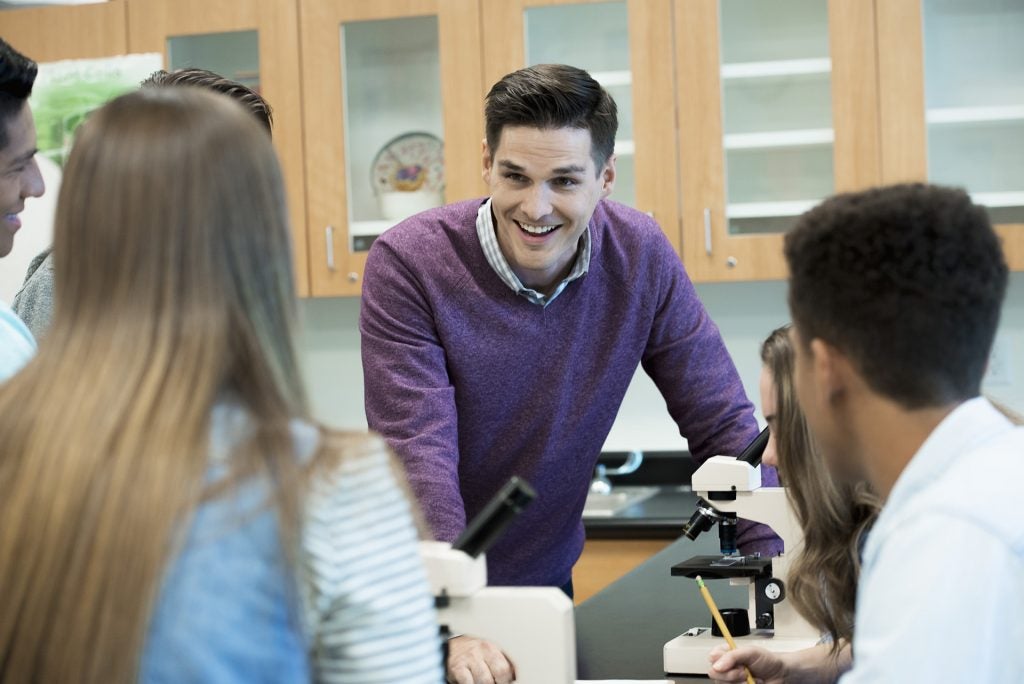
x=721, y=623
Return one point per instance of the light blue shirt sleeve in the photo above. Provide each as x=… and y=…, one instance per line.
x=967, y=626
x=17, y=345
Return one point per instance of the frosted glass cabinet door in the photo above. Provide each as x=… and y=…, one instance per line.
x=952, y=102
x=625, y=45
x=974, y=99
x=393, y=122
x=770, y=103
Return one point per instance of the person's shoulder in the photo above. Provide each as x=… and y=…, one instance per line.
x=980, y=489
x=631, y=247
x=624, y=222
x=17, y=344
x=446, y=224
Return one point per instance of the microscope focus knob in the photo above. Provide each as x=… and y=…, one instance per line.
x=774, y=590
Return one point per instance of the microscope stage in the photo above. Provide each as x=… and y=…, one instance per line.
x=723, y=567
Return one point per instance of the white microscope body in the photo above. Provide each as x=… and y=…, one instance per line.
x=688, y=653
x=533, y=626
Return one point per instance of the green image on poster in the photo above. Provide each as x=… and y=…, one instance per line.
x=66, y=92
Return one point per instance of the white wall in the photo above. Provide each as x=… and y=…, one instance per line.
x=745, y=313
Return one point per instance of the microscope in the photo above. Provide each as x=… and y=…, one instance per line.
x=534, y=626
x=730, y=488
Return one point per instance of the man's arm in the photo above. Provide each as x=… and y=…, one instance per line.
x=409, y=397
x=692, y=369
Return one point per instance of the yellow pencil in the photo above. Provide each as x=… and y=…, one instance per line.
x=721, y=623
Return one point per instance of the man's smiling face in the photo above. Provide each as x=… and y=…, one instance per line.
x=544, y=187
x=19, y=174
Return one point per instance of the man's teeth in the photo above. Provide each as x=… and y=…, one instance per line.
x=538, y=230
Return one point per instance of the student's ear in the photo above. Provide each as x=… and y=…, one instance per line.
x=831, y=370
x=608, y=177
x=488, y=161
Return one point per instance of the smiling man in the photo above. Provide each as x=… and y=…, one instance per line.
x=19, y=180
x=499, y=336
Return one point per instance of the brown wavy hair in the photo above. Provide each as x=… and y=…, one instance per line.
x=174, y=289
x=834, y=516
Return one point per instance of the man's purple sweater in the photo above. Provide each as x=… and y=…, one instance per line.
x=471, y=384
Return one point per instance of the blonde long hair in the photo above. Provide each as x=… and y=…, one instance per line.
x=173, y=289
x=833, y=515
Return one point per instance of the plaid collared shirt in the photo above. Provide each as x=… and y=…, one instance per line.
x=489, y=242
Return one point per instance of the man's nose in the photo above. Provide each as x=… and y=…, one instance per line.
x=32, y=184
x=537, y=203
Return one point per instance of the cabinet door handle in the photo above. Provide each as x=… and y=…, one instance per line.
x=707, y=230
x=329, y=232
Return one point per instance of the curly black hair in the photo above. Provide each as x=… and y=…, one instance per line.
x=17, y=76
x=908, y=281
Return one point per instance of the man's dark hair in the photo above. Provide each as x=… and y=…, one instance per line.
x=553, y=96
x=201, y=78
x=17, y=76
x=906, y=280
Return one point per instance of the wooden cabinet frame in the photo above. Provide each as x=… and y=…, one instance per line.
x=335, y=269
x=710, y=252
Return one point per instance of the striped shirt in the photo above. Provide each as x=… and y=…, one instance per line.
x=497, y=260
x=370, y=608
x=357, y=608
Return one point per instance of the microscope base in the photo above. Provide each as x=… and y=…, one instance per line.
x=689, y=654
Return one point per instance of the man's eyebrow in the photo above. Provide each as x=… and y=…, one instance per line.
x=564, y=170
x=25, y=157
x=511, y=166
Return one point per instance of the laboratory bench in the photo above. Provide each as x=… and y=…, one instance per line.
x=621, y=630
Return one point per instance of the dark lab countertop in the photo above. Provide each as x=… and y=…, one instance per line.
x=659, y=517
x=621, y=630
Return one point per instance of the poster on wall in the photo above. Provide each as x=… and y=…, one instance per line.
x=66, y=92
x=63, y=96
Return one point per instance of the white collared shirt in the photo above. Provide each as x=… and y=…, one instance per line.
x=497, y=260
x=17, y=345
x=941, y=595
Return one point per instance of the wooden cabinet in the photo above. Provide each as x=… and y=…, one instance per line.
x=604, y=561
x=737, y=115
x=777, y=109
x=50, y=34
x=374, y=70
x=952, y=102
x=256, y=43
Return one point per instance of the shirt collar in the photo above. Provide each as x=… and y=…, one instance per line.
x=495, y=257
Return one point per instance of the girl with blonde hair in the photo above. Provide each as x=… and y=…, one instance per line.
x=834, y=517
x=171, y=511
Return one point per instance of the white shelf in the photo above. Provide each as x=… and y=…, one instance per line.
x=611, y=79
x=767, y=139
x=747, y=210
x=779, y=67
x=625, y=148
x=999, y=199
x=955, y=115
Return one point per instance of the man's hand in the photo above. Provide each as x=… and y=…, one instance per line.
x=727, y=666
x=474, y=661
